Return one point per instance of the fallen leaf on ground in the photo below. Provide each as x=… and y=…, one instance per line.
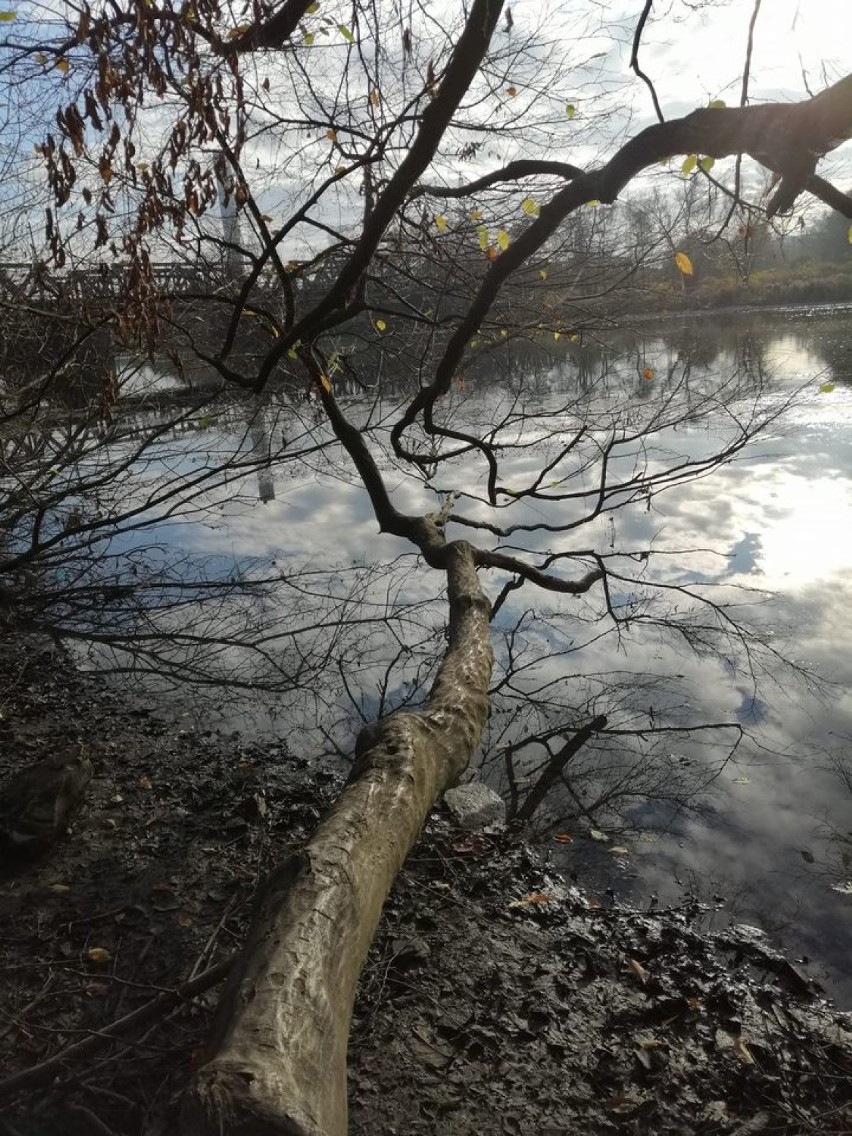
x=638, y=969
x=621, y=1104
x=533, y=898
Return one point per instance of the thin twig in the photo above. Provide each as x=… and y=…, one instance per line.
x=749, y=52
x=634, y=58
x=19, y=1016
x=46, y=1070
x=93, y=1121
x=207, y=949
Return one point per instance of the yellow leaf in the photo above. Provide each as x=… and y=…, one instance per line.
x=826, y=388
x=684, y=263
x=311, y=8
x=41, y=59
x=849, y=235
x=309, y=38
x=570, y=110
x=6, y=17
x=717, y=104
x=441, y=222
x=503, y=239
x=557, y=335
x=346, y=33
x=98, y=955
x=483, y=237
x=688, y=165
x=63, y=65
x=707, y=164
x=504, y=332
x=542, y=274
x=593, y=204
x=476, y=215
x=381, y=325
x=530, y=207
x=325, y=383
x=293, y=350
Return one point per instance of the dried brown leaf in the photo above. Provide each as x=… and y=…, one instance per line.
x=638, y=970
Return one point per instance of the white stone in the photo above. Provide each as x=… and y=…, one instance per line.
x=475, y=806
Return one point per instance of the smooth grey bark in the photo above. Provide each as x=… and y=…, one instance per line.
x=277, y=1064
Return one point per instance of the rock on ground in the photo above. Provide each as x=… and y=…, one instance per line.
x=475, y=806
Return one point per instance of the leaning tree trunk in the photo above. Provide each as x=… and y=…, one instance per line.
x=277, y=1062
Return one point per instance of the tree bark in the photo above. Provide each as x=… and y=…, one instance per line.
x=277, y=1064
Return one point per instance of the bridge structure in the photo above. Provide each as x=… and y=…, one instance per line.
x=67, y=332
x=105, y=281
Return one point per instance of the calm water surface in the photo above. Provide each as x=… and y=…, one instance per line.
x=771, y=531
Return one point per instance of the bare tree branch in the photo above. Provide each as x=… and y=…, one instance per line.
x=634, y=58
x=514, y=171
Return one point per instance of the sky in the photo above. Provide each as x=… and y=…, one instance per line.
x=690, y=53
x=693, y=50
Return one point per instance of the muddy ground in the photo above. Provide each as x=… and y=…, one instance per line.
x=496, y=999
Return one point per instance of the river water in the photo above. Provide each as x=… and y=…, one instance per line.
x=754, y=816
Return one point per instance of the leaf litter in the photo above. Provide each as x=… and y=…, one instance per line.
x=496, y=998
